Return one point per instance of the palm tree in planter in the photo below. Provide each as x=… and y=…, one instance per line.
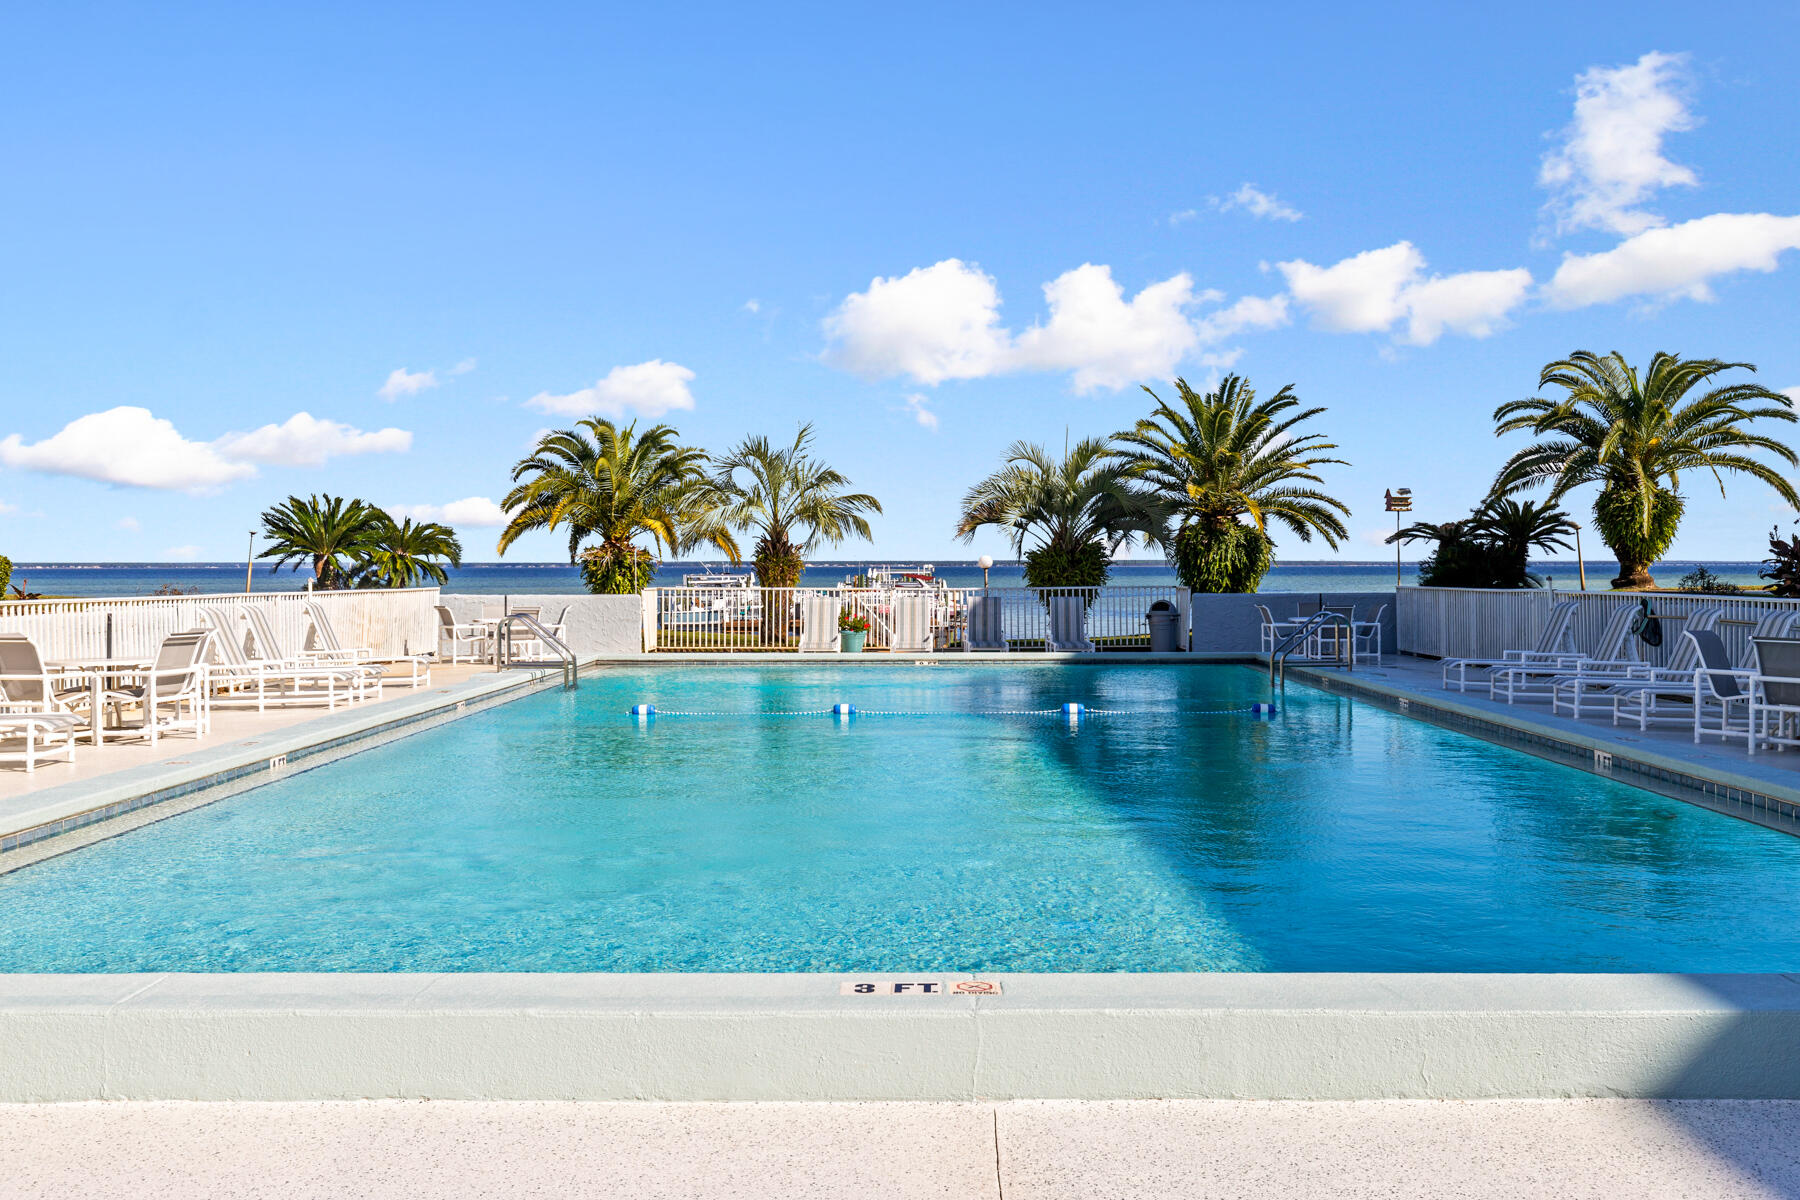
x=328, y=533
x=406, y=554
x=1228, y=465
x=794, y=503
x=609, y=482
x=1065, y=519
x=1634, y=435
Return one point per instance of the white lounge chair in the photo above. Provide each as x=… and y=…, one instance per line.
x=417, y=667
x=1615, y=654
x=1068, y=626
x=985, y=627
x=237, y=680
x=1365, y=636
x=169, y=694
x=269, y=647
x=41, y=737
x=1669, y=696
x=1555, y=643
x=1591, y=689
x=909, y=629
x=818, y=624
x=1272, y=630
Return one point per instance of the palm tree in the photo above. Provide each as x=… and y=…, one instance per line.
x=794, y=502
x=329, y=533
x=609, y=482
x=407, y=554
x=1074, y=514
x=1217, y=457
x=1491, y=547
x=1634, y=436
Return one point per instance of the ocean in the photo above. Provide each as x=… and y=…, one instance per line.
x=146, y=579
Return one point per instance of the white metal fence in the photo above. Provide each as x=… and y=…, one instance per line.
x=1481, y=623
x=388, y=621
x=771, y=619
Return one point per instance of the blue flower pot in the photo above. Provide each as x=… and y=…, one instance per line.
x=851, y=641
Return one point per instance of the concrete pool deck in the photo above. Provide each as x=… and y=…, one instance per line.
x=1486, y=1150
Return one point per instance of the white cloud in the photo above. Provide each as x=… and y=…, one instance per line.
x=943, y=322
x=1249, y=313
x=463, y=367
x=649, y=389
x=933, y=323
x=1104, y=339
x=306, y=440
x=1371, y=291
x=753, y=305
x=1675, y=262
x=7, y=508
x=126, y=445
x=1184, y=216
x=1611, y=158
x=401, y=382
x=1259, y=204
x=472, y=511
x=918, y=405
x=128, y=524
x=1792, y=393
x=182, y=553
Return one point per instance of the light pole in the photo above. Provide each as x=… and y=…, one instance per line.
x=1399, y=500
x=1580, y=565
x=249, y=560
x=984, y=562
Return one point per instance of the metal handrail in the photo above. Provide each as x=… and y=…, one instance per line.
x=1278, y=655
x=503, y=647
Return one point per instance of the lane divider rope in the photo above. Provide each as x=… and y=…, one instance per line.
x=1067, y=710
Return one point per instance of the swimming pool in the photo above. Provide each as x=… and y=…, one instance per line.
x=556, y=833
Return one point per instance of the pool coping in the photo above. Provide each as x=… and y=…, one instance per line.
x=755, y=1037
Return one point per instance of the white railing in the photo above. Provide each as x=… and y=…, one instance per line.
x=388, y=621
x=769, y=619
x=1481, y=623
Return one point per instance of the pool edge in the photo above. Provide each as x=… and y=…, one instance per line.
x=795, y=1037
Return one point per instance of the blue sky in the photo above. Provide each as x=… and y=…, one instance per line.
x=374, y=250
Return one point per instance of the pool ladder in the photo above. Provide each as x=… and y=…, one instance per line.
x=1346, y=645
x=504, y=641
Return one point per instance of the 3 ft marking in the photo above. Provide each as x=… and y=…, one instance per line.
x=918, y=987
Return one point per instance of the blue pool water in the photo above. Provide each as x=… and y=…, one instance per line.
x=559, y=834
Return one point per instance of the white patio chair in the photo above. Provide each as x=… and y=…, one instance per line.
x=1068, y=626
x=1775, y=698
x=818, y=624
x=909, y=631
x=1556, y=642
x=985, y=627
x=1615, y=653
x=26, y=685
x=1365, y=636
x=417, y=667
x=453, y=637
x=1273, y=630
x=170, y=693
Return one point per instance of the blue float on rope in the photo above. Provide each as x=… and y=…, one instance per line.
x=842, y=710
x=1073, y=711
x=1262, y=710
x=643, y=710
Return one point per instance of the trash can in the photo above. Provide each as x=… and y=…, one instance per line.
x=1165, y=628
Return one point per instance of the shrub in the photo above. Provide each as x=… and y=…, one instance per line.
x=1783, y=564
x=5, y=574
x=1706, y=583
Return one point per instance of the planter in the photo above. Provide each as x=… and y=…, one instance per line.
x=851, y=641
